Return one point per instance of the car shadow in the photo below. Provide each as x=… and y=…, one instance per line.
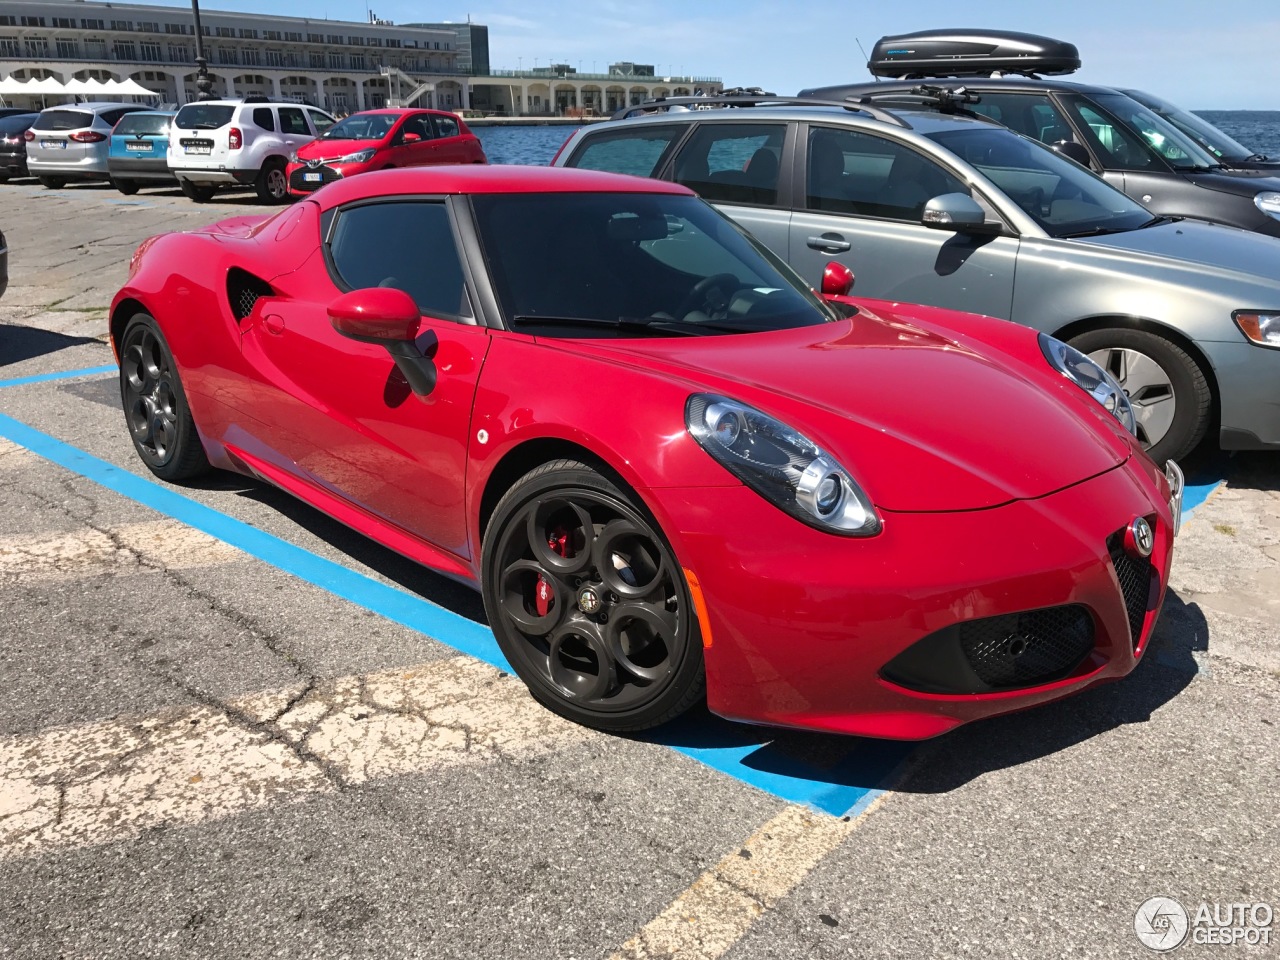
x=26, y=343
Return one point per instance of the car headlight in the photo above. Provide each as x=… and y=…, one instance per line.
x=360, y=156
x=782, y=465
x=1090, y=378
x=1262, y=328
x=1269, y=203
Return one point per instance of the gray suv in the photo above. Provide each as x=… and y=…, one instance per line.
x=72, y=142
x=962, y=213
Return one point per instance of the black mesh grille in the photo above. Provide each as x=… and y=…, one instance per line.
x=1134, y=574
x=304, y=179
x=1026, y=649
x=244, y=290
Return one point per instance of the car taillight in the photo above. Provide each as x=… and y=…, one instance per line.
x=235, y=139
x=28, y=136
x=87, y=136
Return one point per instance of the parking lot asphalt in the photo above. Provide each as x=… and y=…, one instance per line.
x=231, y=727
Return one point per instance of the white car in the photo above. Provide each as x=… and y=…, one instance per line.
x=246, y=142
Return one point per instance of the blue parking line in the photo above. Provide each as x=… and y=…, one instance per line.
x=61, y=375
x=743, y=752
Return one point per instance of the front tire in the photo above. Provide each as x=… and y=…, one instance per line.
x=155, y=405
x=1170, y=395
x=272, y=183
x=199, y=192
x=588, y=602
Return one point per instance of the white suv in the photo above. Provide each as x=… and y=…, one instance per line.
x=244, y=142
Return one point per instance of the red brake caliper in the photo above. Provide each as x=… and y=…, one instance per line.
x=544, y=596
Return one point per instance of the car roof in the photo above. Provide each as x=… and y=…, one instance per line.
x=153, y=113
x=477, y=178
x=95, y=106
x=920, y=121
x=397, y=111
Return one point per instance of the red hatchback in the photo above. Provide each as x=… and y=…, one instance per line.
x=380, y=140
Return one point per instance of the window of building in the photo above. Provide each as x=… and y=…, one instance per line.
x=335, y=61
x=227, y=56
x=9, y=47
x=121, y=24
x=6, y=20
x=316, y=60
x=33, y=21
x=148, y=26
x=251, y=58
x=392, y=42
x=180, y=28
x=336, y=40
x=68, y=49
x=150, y=51
x=92, y=25
x=271, y=34
x=248, y=33
x=124, y=50
x=179, y=53
x=66, y=23
x=295, y=37
x=37, y=47
x=95, y=49
x=226, y=32
x=357, y=61
x=314, y=38
x=275, y=58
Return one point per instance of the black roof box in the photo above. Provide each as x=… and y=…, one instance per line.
x=970, y=53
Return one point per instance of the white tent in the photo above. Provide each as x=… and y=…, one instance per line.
x=48, y=86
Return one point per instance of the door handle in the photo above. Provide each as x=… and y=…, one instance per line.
x=829, y=243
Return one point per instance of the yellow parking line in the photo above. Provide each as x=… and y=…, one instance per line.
x=721, y=905
x=107, y=781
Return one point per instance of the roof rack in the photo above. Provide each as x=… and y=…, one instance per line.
x=948, y=100
x=659, y=104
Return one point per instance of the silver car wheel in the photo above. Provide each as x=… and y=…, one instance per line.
x=1148, y=386
x=277, y=183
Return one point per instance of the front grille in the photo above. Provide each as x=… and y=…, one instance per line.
x=1134, y=574
x=1026, y=649
x=298, y=181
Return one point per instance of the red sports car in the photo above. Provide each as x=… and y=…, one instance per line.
x=667, y=463
x=381, y=140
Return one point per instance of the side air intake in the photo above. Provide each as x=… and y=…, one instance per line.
x=244, y=290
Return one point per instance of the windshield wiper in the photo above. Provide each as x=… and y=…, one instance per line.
x=1198, y=167
x=1092, y=232
x=652, y=328
x=1258, y=156
x=1156, y=221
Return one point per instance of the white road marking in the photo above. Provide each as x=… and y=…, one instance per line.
x=132, y=548
x=721, y=905
x=111, y=780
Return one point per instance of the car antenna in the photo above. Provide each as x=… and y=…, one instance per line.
x=865, y=57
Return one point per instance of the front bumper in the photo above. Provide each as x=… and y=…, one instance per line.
x=1249, y=398
x=803, y=623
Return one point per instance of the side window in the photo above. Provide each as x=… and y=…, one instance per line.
x=322, y=122
x=263, y=117
x=406, y=245
x=1121, y=150
x=733, y=162
x=112, y=117
x=858, y=173
x=637, y=150
x=293, y=121
x=445, y=126
x=419, y=124
x=1033, y=115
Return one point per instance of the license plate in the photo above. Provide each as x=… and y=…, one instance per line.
x=54, y=144
x=197, y=150
x=137, y=146
x=312, y=177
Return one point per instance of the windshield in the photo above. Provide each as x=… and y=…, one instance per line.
x=204, y=116
x=631, y=264
x=1197, y=128
x=141, y=124
x=1063, y=197
x=63, y=120
x=1158, y=133
x=362, y=126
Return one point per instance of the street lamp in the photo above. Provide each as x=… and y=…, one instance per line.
x=204, y=83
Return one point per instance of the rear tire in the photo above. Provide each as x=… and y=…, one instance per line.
x=1171, y=399
x=127, y=187
x=53, y=183
x=272, y=183
x=199, y=192
x=155, y=405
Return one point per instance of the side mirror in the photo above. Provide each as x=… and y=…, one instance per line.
x=958, y=212
x=412, y=138
x=837, y=279
x=390, y=318
x=1072, y=151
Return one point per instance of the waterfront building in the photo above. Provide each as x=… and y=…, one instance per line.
x=340, y=65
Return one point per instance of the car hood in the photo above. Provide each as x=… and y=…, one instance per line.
x=923, y=421
x=1203, y=244
x=333, y=149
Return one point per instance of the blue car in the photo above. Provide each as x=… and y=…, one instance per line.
x=139, y=146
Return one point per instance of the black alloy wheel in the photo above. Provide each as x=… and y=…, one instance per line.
x=155, y=406
x=588, y=602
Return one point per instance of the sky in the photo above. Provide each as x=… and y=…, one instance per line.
x=1202, y=55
